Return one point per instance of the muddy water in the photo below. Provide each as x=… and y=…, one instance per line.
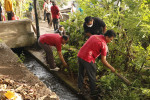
x=51, y=81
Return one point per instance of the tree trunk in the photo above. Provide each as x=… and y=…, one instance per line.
x=36, y=19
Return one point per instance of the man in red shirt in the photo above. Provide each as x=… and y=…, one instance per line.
x=46, y=41
x=55, y=15
x=96, y=45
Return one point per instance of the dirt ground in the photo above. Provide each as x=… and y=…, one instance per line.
x=44, y=27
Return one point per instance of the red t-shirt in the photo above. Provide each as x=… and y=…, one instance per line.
x=55, y=12
x=93, y=48
x=52, y=40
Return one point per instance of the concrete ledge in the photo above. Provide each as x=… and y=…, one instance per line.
x=17, y=33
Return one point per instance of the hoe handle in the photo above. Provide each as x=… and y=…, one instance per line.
x=123, y=78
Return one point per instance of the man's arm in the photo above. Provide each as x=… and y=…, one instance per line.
x=88, y=34
x=104, y=61
x=62, y=58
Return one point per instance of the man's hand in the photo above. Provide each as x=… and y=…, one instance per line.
x=65, y=64
x=88, y=34
x=104, y=61
x=112, y=70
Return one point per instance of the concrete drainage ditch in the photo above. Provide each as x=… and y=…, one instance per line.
x=46, y=77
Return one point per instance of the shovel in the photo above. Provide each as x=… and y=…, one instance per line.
x=123, y=78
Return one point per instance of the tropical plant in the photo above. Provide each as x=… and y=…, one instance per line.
x=129, y=53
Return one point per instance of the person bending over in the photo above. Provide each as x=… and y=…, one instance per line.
x=46, y=41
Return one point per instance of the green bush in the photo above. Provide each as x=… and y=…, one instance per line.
x=129, y=53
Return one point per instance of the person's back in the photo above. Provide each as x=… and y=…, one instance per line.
x=52, y=40
x=46, y=41
x=93, y=47
x=8, y=5
x=55, y=11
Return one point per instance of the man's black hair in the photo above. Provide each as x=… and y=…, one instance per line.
x=110, y=33
x=88, y=19
x=65, y=37
x=53, y=3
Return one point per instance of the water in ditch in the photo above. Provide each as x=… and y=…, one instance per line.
x=51, y=81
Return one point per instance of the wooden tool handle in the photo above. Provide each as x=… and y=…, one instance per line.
x=123, y=78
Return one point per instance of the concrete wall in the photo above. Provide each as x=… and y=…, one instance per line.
x=17, y=33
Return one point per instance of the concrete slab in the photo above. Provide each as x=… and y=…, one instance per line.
x=17, y=33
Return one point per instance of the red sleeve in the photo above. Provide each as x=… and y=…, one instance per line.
x=104, y=49
x=58, y=47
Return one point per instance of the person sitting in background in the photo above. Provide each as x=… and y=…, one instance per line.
x=46, y=41
x=61, y=30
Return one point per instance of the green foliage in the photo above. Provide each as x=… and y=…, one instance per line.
x=21, y=57
x=41, y=2
x=129, y=53
x=146, y=91
x=1, y=40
